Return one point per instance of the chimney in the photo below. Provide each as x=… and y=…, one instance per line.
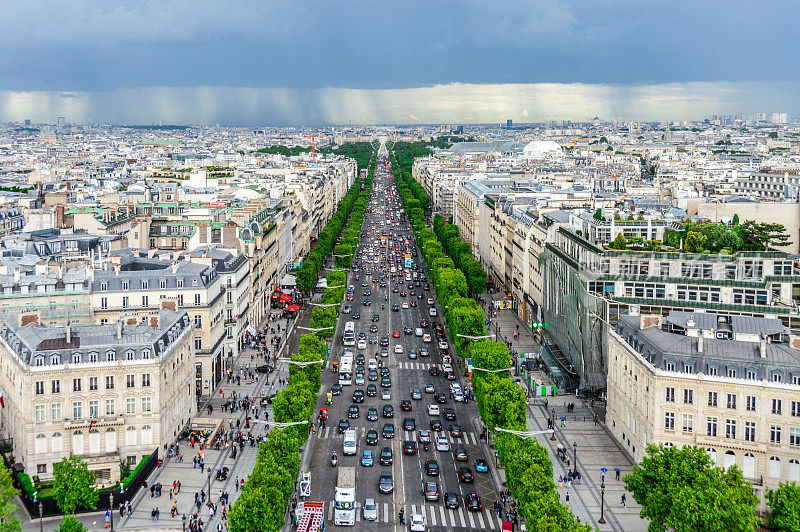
x=700, y=344
x=116, y=268
x=17, y=275
x=175, y=267
x=762, y=347
x=68, y=330
x=691, y=330
x=119, y=330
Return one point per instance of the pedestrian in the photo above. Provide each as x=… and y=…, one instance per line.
x=622, y=501
x=567, y=498
x=617, y=474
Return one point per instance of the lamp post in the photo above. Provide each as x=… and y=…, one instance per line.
x=111, y=509
x=553, y=420
x=602, y=520
x=209, y=483
x=575, y=456
x=41, y=522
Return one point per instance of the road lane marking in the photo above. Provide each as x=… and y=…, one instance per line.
x=461, y=515
x=385, y=512
x=443, y=516
x=471, y=519
x=480, y=520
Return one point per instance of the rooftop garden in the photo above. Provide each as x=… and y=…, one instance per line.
x=711, y=237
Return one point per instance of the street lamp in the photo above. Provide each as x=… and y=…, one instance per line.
x=111, y=509
x=209, y=483
x=575, y=456
x=553, y=420
x=41, y=523
x=602, y=520
x=475, y=337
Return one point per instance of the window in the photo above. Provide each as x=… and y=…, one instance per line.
x=130, y=354
x=146, y=354
x=146, y=405
x=743, y=296
x=39, y=387
x=77, y=410
x=730, y=428
x=749, y=431
x=103, y=286
x=94, y=409
x=198, y=322
x=130, y=405
x=712, y=370
x=38, y=413
x=198, y=343
x=751, y=403
x=669, y=366
x=130, y=381
x=688, y=422
x=796, y=408
x=688, y=396
x=688, y=368
x=669, y=421
x=776, y=406
x=55, y=411
x=125, y=301
x=125, y=284
x=110, y=407
x=93, y=357
x=732, y=401
x=145, y=284
x=794, y=437
x=145, y=380
x=162, y=283
x=111, y=355
x=197, y=300
x=92, y=383
x=76, y=385
x=56, y=386
x=775, y=434
x=180, y=283
x=711, y=426
x=712, y=398
x=777, y=377
x=145, y=301
x=109, y=382
x=76, y=358
x=732, y=372
x=670, y=395
x=39, y=361
x=752, y=375
x=103, y=303
x=796, y=379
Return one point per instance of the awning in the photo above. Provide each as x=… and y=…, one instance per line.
x=293, y=307
x=288, y=281
x=285, y=298
x=276, y=294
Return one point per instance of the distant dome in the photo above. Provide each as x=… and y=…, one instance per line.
x=542, y=148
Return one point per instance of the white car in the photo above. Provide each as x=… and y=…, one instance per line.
x=418, y=331
x=431, y=312
x=458, y=396
x=417, y=523
x=443, y=345
x=404, y=305
x=433, y=410
x=369, y=510
x=386, y=394
x=373, y=364
x=447, y=368
x=362, y=344
x=455, y=386
x=426, y=338
x=442, y=444
x=398, y=349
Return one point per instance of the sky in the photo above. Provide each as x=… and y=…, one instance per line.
x=278, y=62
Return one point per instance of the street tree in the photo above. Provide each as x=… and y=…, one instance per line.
x=682, y=490
x=257, y=510
x=71, y=524
x=9, y=520
x=501, y=402
x=784, y=504
x=74, y=485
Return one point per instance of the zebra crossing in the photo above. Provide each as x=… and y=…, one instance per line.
x=435, y=515
x=414, y=365
x=467, y=437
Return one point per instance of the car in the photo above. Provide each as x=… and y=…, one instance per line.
x=372, y=376
x=433, y=410
x=384, y=343
x=373, y=365
x=404, y=305
x=356, y=315
x=386, y=394
x=409, y=447
x=372, y=414
x=481, y=466
x=367, y=302
x=449, y=414
x=347, y=309
x=388, y=430
x=336, y=389
x=384, y=351
x=416, y=394
x=395, y=289
x=370, y=510
x=433, y=371
x=372, y=390
x=360, y=359
x=413, y=303
x=451, y=500
x=385, y=482
x=432, y=468
x=409, y=423
x=458, y=396
x=417, y=331
x=353, y=412
x=395, y=334
x=386, y=382
x=367, y=292
x=424, y=436
x=436, y=424
x=426, y=338
x=473, y=502
x=424, y=352
x=455, y=431
x=398, y=349
x=367, y=458
x=465, y=475
x=362, y=344
x=343, y=425
x=395, y=307
x=440, y=397
x=373, y=338
x=442, y=444
x=376, y=317
x=407, y=330
x=372, y=437
x=405, y=405
x=417, y=523
x=388, y=411
x=384, y=371
x=358, y=396
x=412, y=354
x=443, y=345
x=359, y=379
x=431, y=491
x=430, y=301
x=424, y=324
x=449, y=375
x=386, y=456
x=432, y=312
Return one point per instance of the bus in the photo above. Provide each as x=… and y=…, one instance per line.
x=346, y=370
x=349, y=335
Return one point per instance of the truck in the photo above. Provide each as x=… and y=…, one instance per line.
x=345, y=498
x=310, y=516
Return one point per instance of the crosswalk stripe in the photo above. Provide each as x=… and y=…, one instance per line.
x=480, y=519
x=490, y=519
x=433, y=515
x=413, y=509
x=385, y=512
x=443, y=515
x=461, y=516
x=471, y=520
x=358, y=514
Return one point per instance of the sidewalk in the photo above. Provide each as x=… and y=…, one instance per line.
x=595, y=447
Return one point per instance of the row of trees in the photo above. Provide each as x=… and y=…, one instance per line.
x=360, y=151
x=266, y=494
x=353, y=202
x=461, y=253
x=501, y=402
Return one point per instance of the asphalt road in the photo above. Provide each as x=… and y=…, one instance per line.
x=406, y=374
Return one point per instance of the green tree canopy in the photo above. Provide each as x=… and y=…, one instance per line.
x=784, y=504
x=9, y=520
x=74, y=485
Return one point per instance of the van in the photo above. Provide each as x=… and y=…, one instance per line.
x=418, y=331
x=349, y=446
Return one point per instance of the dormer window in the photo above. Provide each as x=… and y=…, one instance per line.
x=76, y=358
x=777, y=376
x=55, y=359
x=111, y=355
x=130, y=354
x=194, y=281
x=146, y=354
x=103, y=286
x=38, y=361
x=145, y=284
x=125, y=284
